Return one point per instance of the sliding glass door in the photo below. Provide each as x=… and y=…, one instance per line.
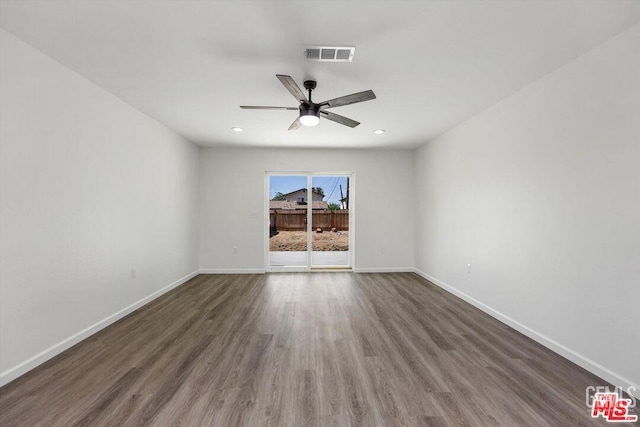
x=288, y=222
x=330, y=223
x=309, y=224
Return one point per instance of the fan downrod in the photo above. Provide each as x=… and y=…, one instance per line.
x=310, y=85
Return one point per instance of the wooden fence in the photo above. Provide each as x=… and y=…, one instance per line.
x=296, y=219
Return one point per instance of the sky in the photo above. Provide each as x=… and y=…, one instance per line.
x=330, y=185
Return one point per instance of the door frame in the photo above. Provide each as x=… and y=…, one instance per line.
x=266, y=225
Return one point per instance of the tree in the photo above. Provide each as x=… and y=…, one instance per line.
x=318, y=190
x=333, y=206
x=279, y=196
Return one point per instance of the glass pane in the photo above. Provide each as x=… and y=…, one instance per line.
x=330, y=225
x=288, y=203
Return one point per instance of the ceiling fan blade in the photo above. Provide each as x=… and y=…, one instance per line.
x=296, y=124
x=339, y=119
x=292, y=87
x=259, y=107
x=349, y=99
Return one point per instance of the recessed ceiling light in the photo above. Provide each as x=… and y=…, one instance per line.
x=379, y=131
x=236, y=129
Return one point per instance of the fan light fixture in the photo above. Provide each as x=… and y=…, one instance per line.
x=309, y=120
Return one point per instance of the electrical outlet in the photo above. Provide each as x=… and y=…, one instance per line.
x=468, y=268
x=235, y=251
x=381, y=250
x=133, y=273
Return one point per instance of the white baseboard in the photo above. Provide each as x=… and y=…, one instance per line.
x=384, y=270
x=584, y=362
x=263, y=271
x=591, y=366
x=231, y=271
x=24, y=367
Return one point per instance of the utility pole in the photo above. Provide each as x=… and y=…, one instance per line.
x=341, y=198
x=348, y=192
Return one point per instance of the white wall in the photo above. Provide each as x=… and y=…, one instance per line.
x=541, y=195
x=232, y=186
x=90, y=188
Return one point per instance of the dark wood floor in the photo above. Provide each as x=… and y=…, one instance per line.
x=303, y=349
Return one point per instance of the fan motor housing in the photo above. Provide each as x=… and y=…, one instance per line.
x=309, y=109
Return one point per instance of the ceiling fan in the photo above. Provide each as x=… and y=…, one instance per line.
x=310, y=112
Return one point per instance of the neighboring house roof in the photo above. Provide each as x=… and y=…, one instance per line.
x=282, y=204
x=313, y=190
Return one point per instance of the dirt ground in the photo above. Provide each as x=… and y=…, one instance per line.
x=297, y=241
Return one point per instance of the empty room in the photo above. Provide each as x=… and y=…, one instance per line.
x=319, y=213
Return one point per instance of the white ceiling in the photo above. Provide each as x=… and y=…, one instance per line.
x=190, y=64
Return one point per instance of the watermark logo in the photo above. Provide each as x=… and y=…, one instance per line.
x=610, y=405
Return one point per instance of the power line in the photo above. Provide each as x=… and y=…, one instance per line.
x=334, y=187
